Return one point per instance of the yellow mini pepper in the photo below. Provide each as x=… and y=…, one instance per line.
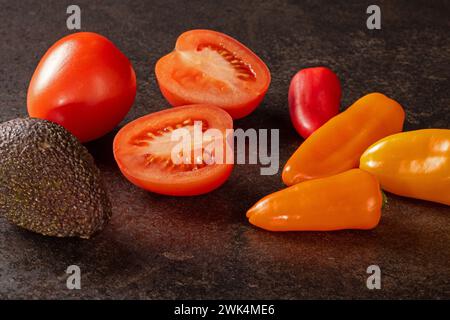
x=413, y=164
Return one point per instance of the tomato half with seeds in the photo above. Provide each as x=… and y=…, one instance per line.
x=209, y=67
x=144, y=150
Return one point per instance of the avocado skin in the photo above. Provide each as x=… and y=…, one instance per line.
x=49, y=182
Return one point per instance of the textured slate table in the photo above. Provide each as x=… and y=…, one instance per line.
x=162, y=247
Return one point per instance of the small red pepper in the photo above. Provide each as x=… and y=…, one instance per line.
x=314, y=98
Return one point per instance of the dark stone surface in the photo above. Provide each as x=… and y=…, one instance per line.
x=164, y=247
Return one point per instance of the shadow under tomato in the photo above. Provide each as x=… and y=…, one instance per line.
x=102, y=149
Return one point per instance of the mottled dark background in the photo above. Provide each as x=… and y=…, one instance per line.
x=162, y=247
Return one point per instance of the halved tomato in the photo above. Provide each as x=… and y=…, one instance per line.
x=144, y=150
x=209, y=67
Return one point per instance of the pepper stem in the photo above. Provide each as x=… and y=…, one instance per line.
x=384, y=200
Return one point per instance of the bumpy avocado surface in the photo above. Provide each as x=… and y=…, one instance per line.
x=49, y=182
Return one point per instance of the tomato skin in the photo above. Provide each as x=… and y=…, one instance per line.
x=84, y=83
x=238, y=111
x=314, y=98
x=174, y=183
x=179, y=190
x=238, y=105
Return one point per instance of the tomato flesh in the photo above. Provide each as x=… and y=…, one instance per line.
x=143, y=151
x=209, y=67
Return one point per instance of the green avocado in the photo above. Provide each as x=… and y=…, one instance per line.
x=49, y=182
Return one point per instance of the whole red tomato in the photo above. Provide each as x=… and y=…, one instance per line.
x=314, y=98
x=84, y=83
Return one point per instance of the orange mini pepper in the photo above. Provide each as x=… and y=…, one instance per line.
x=339, y=143
x=414, y=164
x=349, y=200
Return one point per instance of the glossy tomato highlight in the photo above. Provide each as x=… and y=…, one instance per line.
x=209, y=67
x=143, y=151
x=83, y=83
